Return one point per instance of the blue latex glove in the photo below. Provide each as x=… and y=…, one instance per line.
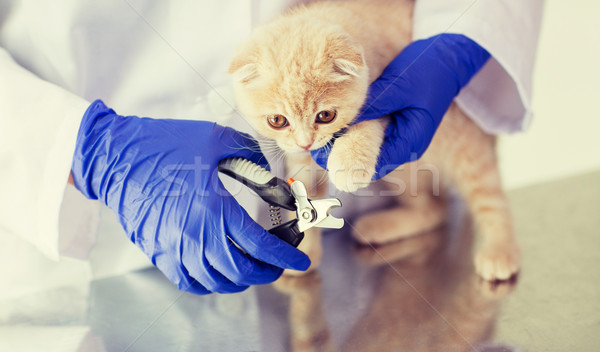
x=160, y=178
x=416, y=89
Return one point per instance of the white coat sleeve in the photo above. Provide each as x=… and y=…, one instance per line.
x=38, y=128
x=498, y=98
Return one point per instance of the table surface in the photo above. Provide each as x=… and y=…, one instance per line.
x=418, y=294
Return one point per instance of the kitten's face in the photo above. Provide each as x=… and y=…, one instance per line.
x=299, y=81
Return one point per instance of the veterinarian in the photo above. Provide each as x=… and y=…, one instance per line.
x=168, y=60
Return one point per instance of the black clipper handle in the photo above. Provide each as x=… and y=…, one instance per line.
x=271, y=189
x=288, y=232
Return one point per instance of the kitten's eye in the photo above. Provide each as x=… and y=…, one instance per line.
x=277, y=121
x=326, y=116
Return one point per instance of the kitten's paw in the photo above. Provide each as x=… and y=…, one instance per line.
x=384, y=227
x=312, y=247
x=372, y=229
x=496, y=290
x=294, y=284
x=414, y=251
x=497, y=261
x=350, y=167
x=298, y=273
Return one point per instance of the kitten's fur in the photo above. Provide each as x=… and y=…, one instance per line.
x=323, y=56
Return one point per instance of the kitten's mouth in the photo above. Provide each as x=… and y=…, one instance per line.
x=301, y=151
x=298, y=152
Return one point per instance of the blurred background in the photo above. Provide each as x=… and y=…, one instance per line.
x=563, y=138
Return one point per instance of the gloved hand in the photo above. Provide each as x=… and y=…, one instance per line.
x=416, y=89
x=160, y=178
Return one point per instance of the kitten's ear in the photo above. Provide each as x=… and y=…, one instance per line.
x=349, y=65
x=344, y=67
x=243, y=66
x=243, y=72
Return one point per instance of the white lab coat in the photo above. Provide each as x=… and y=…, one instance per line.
x=169, y=59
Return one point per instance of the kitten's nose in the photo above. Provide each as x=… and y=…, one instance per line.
x=305, y=147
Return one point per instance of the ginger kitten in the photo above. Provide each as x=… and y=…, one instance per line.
x=304, y=76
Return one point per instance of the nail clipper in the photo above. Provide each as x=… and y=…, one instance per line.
x=290, y=195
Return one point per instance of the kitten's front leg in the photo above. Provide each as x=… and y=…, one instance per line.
x=354, y=155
